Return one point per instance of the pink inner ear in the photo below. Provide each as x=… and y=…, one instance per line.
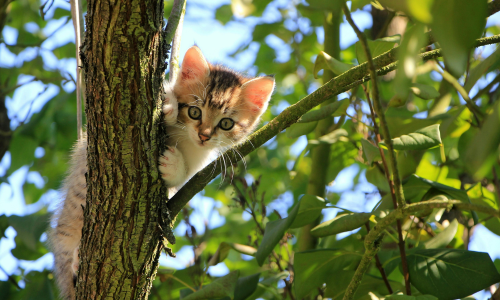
x=258, y=91
x=194, y=65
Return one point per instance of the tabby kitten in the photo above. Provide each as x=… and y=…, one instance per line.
x=208, y=109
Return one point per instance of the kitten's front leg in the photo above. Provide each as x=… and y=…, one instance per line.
x=172, y=167
x=170, y=107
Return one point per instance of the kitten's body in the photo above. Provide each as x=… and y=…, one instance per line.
x=208, y=109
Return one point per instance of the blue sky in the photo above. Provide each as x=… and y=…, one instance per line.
x=216, y=42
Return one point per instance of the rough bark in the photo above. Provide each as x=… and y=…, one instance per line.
x=123, y=57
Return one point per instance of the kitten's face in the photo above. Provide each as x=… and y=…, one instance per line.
x=217, y=106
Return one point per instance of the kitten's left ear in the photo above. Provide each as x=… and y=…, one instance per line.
x=194, y=66
x=257, y=92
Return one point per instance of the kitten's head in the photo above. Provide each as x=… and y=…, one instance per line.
x=218, y=106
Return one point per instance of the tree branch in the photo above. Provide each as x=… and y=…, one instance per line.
x=174, y=19
x=355, y=76
x=176, y=43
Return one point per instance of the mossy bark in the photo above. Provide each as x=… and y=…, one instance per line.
x=123, y=57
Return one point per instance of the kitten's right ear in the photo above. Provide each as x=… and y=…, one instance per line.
x=194, y=66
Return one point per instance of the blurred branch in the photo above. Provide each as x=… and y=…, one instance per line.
x=76, y=15
x=493, y=7
x=395, y=183
x=355, y=76
x=177, y=13
x=176, y=42
x=374, y=237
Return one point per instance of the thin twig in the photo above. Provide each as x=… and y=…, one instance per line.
x=178, y=9
x=11, y=279
x=397, y=187
x=176, y=44
x=76, y=16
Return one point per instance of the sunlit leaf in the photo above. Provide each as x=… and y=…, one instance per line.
x=342, y=223
x=325, y=61
x=479, y=70
x=451, y=273
x=421, y=139
x=413, y=40
x=443, y=238
x=447, y=28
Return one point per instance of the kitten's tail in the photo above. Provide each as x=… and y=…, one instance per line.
x=64, y=238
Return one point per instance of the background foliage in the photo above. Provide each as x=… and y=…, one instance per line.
x=240, y=237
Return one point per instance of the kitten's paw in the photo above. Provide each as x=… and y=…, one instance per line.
x=172, y=167
x=170, y=109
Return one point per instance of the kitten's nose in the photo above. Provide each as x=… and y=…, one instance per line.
x=203, y=137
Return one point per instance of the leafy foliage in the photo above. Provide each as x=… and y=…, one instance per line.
x=447, y=149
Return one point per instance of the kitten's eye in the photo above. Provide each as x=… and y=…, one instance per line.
x=226, y=124
x=194, y=113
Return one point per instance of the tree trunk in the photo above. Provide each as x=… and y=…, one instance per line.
x=123, y=56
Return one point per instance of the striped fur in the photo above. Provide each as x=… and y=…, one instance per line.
x=219, y=93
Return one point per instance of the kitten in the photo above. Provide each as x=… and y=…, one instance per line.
x=208, y=109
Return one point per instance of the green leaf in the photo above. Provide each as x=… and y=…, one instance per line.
x=29, y=228
x=330, y=138
x=60, y=13
x=4, y=224
x=377, y=47
x=332, y=5
x=448, y=29
x=425, y=138
x=219, y=288
x=267, y=285
x=310, y=207
x=406, y=297
x=481, y=69
x=224, y=13
x=22, y=150
x=482, y=150
x=273, y=234
x=443, y=238
x=372, y=153
x=299, y=129
x=342, y=223
x=335, y=109
x=424, y=91
x=39, y=285
x=314, y=267
x=246, y=286
x=414, y=39
x=451, y=273
x=325, y=61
